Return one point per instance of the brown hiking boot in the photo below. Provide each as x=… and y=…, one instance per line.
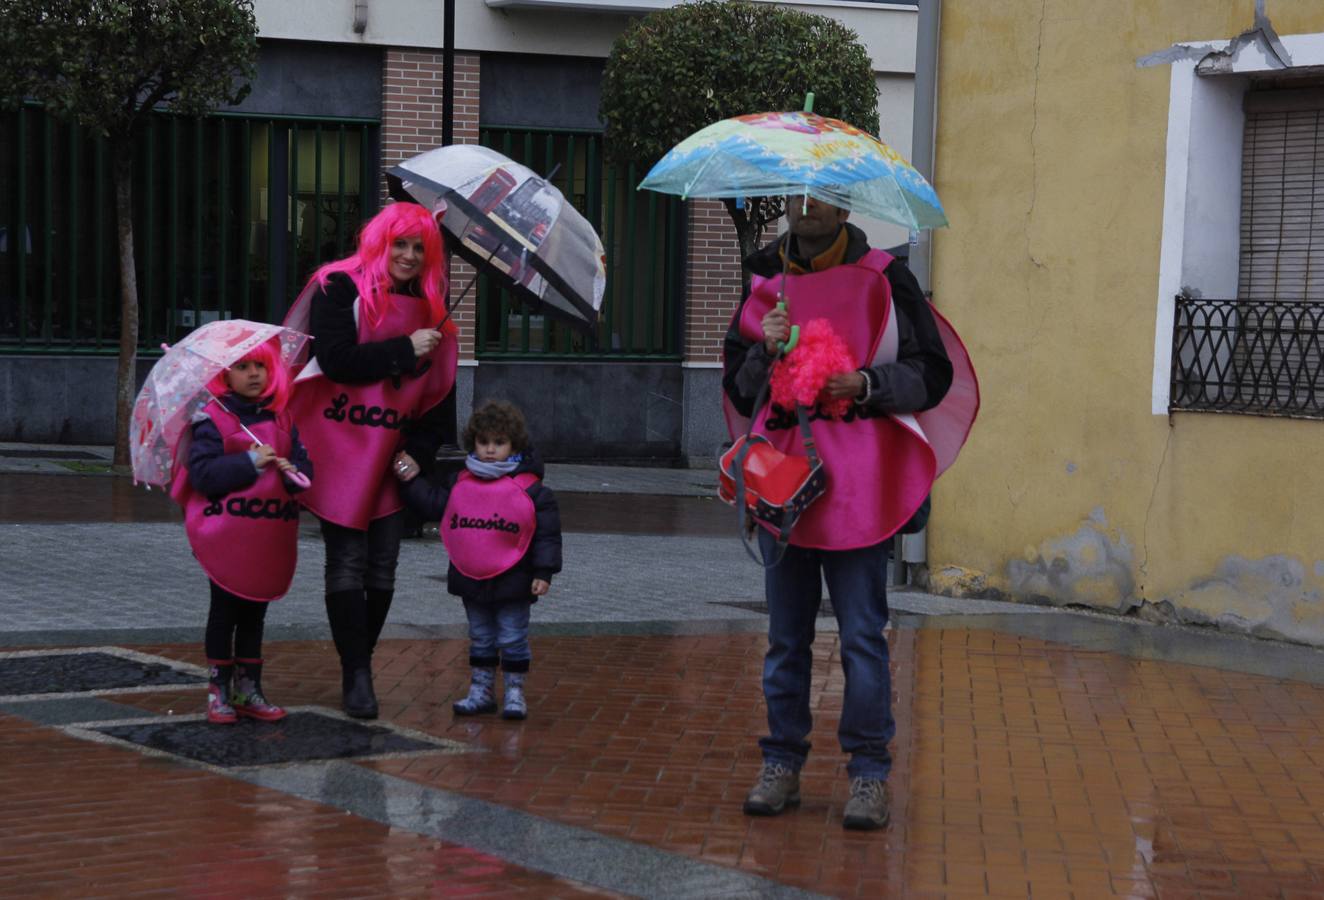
x=777, y=788
x=867, y=807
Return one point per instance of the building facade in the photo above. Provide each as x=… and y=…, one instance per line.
x=236, y=211
x=1134, y=260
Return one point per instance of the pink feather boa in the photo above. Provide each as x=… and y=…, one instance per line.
x=803, y=373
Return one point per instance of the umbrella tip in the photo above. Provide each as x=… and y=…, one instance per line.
x=809, y=102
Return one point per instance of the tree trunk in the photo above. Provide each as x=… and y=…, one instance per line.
x=126, y=381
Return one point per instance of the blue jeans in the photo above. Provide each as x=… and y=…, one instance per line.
x=502, y=627
x=857, y=584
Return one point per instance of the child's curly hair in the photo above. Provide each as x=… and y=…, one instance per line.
x=497, y=419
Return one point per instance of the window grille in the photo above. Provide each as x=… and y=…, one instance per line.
x=643, y=237
x=231, y=215
x=1241, y=356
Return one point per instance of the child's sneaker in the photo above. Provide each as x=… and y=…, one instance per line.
x=481, y=699
x=513, y=705
x=248, y=700
x=219, y=710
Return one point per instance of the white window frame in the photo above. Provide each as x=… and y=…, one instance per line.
x=1200, y=246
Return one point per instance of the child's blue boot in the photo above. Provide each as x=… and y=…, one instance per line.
x=481, y=698
x=513, y=705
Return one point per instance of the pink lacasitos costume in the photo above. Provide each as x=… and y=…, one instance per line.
x=880, y=467
x=488, y=523
x=357, y=428
x=246, y=541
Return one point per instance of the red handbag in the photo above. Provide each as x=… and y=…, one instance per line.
x=775, y=488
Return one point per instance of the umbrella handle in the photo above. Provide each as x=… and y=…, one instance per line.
x=785, y=347
x=789, y=344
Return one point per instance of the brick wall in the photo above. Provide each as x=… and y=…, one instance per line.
x=411, y=124
x=714, y=280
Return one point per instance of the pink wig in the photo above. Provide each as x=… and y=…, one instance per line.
x=369, y=267
x=802, y=375
x=277, y=392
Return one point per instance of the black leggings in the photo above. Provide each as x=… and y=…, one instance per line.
x=234, y=626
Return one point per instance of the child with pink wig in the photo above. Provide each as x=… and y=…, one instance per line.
x=242, y=522
x=385, y=355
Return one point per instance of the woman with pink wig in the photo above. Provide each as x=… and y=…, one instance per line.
x=241, y=522
x=385, y=354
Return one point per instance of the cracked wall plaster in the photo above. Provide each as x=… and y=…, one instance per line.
x=1268, y=596
x=1087, y=568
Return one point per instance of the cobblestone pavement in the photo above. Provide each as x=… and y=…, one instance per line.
x=1039, y=753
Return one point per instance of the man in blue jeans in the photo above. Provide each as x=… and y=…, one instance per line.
x=873, y=474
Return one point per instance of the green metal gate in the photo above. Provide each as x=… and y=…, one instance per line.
x=232, y=213
x=642, y=234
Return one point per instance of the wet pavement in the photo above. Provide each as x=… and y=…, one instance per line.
x=53, y=498
x=1039, y=752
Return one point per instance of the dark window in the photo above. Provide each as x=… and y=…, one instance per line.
x=231, y=214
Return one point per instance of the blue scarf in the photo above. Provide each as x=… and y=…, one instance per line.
x=490, y=470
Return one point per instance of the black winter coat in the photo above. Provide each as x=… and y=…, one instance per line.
x=214, y=473
x=543, y=558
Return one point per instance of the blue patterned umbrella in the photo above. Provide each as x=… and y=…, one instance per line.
x=797, y=153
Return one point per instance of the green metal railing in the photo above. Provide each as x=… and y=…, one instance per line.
x=232, y=213
x=642, y=234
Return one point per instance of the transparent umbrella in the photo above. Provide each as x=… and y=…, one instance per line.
x=176, y=389
x=513, y=224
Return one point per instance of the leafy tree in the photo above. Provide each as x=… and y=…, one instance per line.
x=679, y=69
x=106, y=64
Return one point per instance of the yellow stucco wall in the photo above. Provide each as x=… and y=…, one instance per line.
x=1050, y=162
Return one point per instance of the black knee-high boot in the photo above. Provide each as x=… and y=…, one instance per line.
x=347, y=611
x=379, y=604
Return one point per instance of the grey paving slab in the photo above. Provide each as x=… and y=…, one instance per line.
x=126, y=576
x=518, y=837
x=631, y=480
x=70, y=710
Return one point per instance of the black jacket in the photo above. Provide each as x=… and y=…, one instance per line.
x=214, y=473
x=345, y=361
x=917, y=380
x=543, y=558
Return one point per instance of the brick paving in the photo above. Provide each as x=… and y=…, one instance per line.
x=86, y=820
x=1023, y=768
x=1039, y=753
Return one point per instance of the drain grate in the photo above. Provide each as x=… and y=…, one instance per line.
x=52, y=454
x=302, y=736
x=96, y=671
